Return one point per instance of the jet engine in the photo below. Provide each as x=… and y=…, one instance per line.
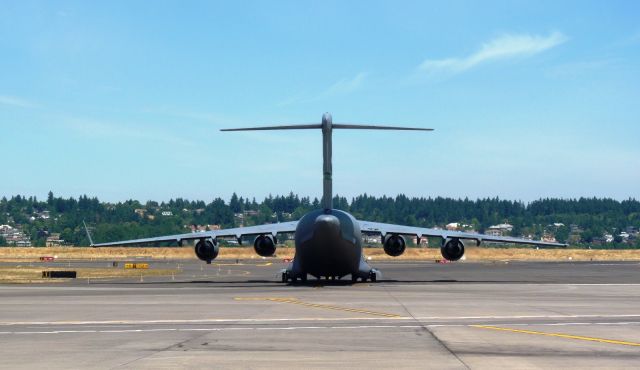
x=207, y=249
x=452, y=249
x=265, y=245
x=394, y=245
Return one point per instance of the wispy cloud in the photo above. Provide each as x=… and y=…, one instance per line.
x=99, y=129
x=16, y=102
x=342, y=87
x=191, y=115
x=502, y=47
x=346, y=85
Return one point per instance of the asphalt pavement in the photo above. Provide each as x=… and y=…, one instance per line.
x=238, y=315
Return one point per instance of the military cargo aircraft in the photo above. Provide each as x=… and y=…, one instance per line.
x=328, y=241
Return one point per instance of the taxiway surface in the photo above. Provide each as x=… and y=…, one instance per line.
x=422, y=315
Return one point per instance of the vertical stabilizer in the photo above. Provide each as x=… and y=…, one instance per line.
x=327, y=167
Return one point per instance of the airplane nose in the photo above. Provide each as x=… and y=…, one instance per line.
x=327, y=223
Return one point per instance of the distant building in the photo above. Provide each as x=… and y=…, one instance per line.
x=167, y=213
x=499, y=230
x=140, y=211
x=575, y=229
x=203, y=228
x=423, y=241
x=14, y=236
x=54, y=240
x=505, y=227
x=494, y=232
x=6, y=230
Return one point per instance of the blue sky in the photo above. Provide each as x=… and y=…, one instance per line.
x=124, y=99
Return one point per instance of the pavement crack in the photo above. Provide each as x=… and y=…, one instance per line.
x=426, y=328
x=176, y=345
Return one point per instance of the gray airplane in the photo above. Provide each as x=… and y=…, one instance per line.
x=328, y=241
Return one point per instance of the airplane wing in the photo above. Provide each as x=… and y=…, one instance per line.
x=381, y=228
x=273, y=229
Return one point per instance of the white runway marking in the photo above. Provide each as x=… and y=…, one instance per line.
x=398, y=284
x=284, y=328
x=211, y=321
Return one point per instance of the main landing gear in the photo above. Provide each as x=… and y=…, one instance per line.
x=371, y=276
x=287, y=276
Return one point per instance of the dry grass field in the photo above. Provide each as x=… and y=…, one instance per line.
x=31, y=274
x=472, y=254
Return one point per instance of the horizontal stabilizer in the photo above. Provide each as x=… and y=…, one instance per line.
x=377, y=127
x=335, y=125
x=285, y=127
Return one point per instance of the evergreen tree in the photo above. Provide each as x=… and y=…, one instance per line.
x=235, y=204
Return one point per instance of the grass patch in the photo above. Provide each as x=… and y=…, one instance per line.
x=24, y=274
x=11, y=254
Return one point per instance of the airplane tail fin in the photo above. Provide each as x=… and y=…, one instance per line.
x=327, y=126
x=86, y=229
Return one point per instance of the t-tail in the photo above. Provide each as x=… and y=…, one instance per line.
x=327, y=127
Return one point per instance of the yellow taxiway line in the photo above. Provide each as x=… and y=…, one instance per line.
x=317, y=305
x=559, y=335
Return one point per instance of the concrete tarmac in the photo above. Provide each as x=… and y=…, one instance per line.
x=422, y=315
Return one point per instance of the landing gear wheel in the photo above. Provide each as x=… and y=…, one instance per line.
x=373, y=277
x=354, y=278
x=303, y=278
x=285, y=277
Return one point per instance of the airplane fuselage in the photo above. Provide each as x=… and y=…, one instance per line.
x=328, y=244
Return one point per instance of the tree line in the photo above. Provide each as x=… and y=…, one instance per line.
x=591, y=217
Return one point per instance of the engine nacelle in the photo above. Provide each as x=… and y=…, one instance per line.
x=394, y=245
x=452, y=249
x=265, y=245
x=207, y=249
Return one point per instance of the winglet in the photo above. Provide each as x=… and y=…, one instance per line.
x=88, y=234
